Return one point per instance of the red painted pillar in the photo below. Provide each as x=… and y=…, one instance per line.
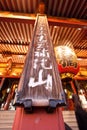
x=73, y=87
x=9, y=98
x=39, y=120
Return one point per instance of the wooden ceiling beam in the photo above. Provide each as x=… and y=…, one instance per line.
x=30, y=18
x=12, y=53
x=17, y=17
x=69, y=22
x=15, y=43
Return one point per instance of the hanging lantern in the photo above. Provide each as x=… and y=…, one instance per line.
x=67, y=61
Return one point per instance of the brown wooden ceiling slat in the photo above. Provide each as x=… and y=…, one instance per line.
x=1, y=48
x=22, y=49
x=13, y=5
x=3, y=4
x=20, y=32
x=82, y=52
x=8, y=2
x=69, y=7
x=53, y=34
x=25, y=49
x=13, y=32
x=59, y=8
x=75, y=6
x=51, y=29
x=17, y=32
x=31, y=30
x=2, y=38
x=18, y=48
x=14, y=48
x=4, y=31
x=80, y=7
x=2, y=35
x=65, y=6
x=7, y=31
x=35, y=5
x=6, y=48
x=78, y=38
x=31, y=4
x=68, y=40
x=19, y=6
x=54, y=7
x=75, y=36
x=27, y=33
x=28, y=6
x=49, y=9
x=1, y=8
x=84, y=11
x=58, y=37
x=11, y=49
x=56, y=34
x=63, y=34
x=30, y=35
x=10, y=32
x=60, y=34
x=24, y=4
x=68, y=36
x=64, y=2
x=71, y=36
x=84, y=44
x=66, y=32
x=24, y=33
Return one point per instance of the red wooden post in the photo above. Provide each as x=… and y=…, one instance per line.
x=73, y=87
x=39, y=120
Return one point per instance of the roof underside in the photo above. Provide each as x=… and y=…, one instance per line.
x=67, y=23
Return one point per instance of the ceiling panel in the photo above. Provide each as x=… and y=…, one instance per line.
x=59, y=8
x=15, y=38
x=17, y=19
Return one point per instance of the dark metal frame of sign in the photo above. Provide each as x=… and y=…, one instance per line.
x=40, y=84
